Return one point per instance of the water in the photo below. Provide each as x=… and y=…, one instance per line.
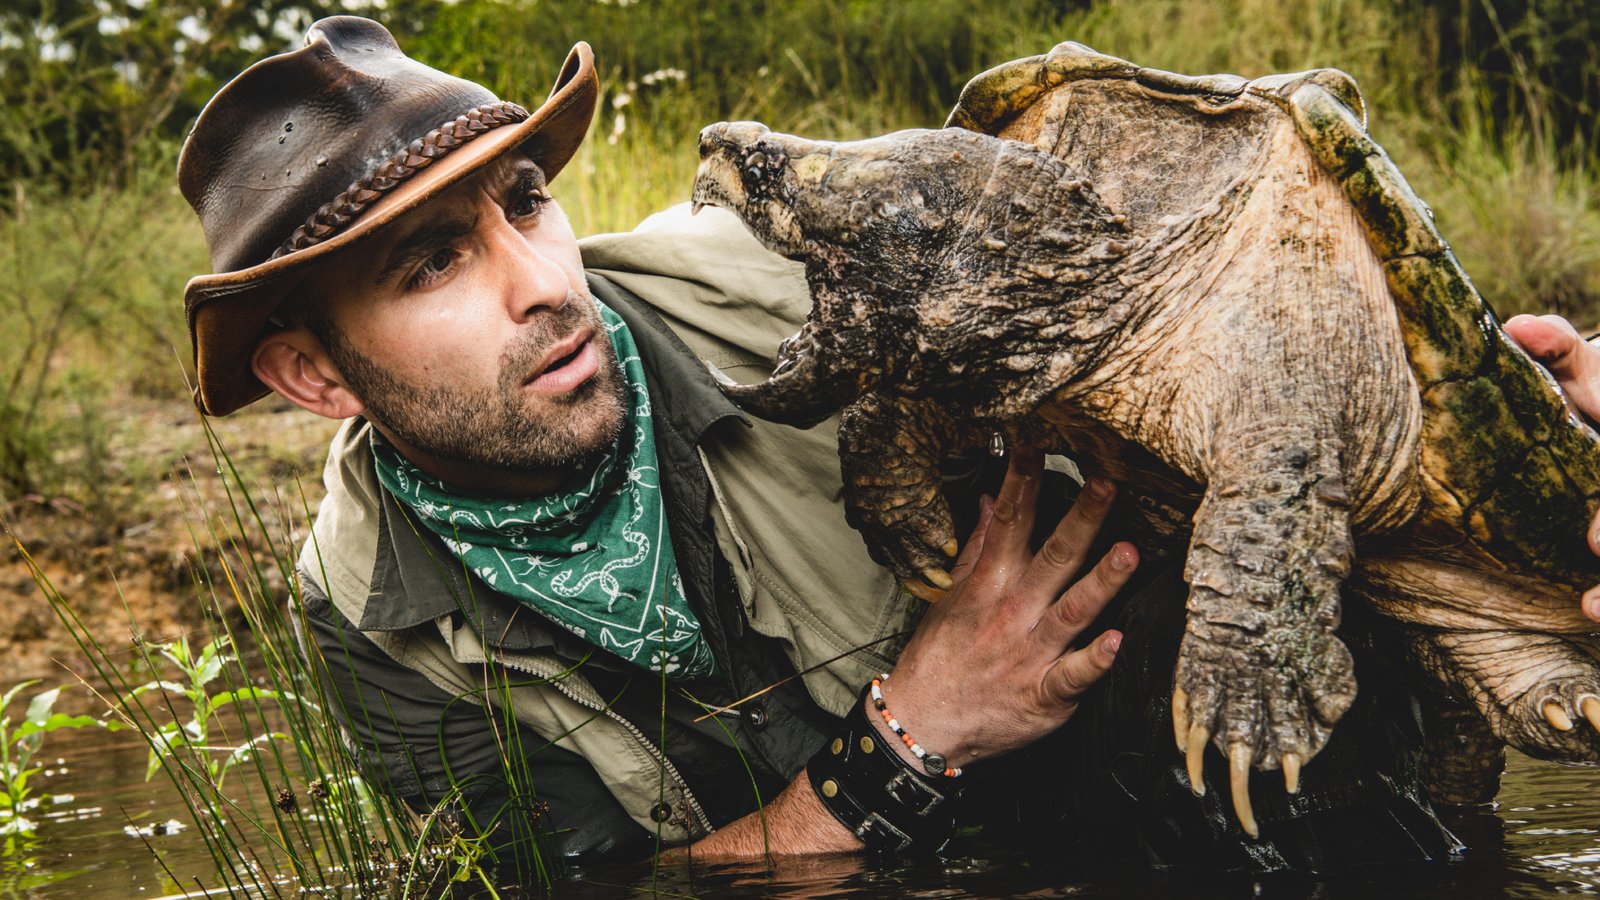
x=1544, y=839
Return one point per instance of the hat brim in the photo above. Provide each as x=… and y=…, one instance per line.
x=228, y=311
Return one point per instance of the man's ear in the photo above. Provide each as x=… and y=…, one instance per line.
x=295, y=364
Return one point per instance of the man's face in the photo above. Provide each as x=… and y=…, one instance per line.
x=468, y=331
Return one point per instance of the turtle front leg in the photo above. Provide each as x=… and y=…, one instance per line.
x=1260, y=672
x=890, y=448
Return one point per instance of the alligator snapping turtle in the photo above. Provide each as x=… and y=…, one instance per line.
x=1222, y=294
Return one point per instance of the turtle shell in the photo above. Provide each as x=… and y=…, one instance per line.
x=1509, y=475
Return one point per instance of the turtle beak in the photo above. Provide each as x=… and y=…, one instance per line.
x=805, y=387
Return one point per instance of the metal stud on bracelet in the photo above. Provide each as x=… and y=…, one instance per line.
x=933, y=763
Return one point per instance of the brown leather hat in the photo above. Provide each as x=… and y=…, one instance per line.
x=312, y=151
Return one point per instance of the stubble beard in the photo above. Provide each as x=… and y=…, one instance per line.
x=498, y=427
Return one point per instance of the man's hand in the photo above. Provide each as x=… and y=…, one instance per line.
x=1575, y=363
x=990, y=669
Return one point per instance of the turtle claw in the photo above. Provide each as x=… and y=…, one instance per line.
x=1534, y=691
x=1557, y=716
x=1290, y=763
x=1240, y=756
x=1195, y=751
x=922, y=590
x=933, y=586
x=951, y=548
x=1591, y=711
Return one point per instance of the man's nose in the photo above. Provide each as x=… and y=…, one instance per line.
x=534, y=281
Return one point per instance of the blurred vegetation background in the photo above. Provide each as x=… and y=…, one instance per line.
x=1488, y=106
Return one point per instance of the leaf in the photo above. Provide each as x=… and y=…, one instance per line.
x=58, y=721
x=242, y=752
x=5, y=700
x=172, y=686
x=212, y=659
x=39, y=707
x=227, y=698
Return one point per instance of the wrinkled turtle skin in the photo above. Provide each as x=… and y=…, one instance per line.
x=1222, y=295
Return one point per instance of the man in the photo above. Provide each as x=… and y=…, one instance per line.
x=577, y=460
x=559, y=583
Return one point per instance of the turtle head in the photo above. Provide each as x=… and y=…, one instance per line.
x=869, y=218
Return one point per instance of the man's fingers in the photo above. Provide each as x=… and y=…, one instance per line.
x=1575, y=363
x=974, y=548
x=1012, y=521
x=1591, y=603
x=1076, y=672
x=1062, y=554
x=1549, y=339
x=1084, y=600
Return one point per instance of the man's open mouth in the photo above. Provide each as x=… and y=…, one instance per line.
x=570, y=363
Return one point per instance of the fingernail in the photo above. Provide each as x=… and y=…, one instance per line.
x=1594, y=537
x=1121, y=558
x=1097, y=488
x=1111, y=643
x=1591, y=605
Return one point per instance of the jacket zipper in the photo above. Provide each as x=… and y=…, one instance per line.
x=700, y=817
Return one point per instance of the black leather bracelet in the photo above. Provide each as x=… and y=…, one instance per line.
x=883, y=800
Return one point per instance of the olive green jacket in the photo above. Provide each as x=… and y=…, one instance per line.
x=803, y=576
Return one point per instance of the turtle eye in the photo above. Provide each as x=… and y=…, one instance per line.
x=755, y=171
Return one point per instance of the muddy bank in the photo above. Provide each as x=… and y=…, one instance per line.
x=147, y=565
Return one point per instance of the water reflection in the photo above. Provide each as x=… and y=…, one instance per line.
x=108, y=837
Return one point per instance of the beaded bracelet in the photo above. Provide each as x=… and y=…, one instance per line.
x=932, y=762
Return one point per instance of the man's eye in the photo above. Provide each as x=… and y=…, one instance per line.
x=528, y=205
x=433, y=267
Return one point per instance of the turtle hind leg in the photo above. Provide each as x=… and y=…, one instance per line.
x=1260, y=673
x=1462, y=758
x=1540, y=693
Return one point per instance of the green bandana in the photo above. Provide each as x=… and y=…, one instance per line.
x=596, y=560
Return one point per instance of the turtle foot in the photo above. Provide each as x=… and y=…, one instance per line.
x=1262, y=709
x=1260, y=673
x=1540, y=693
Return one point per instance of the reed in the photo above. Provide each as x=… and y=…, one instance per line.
x=301, y=812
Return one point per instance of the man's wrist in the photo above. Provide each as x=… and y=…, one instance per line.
x=932, y=740
x=885, y=798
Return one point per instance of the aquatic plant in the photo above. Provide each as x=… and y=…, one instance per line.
x=20, y=743
x=301, y=811
x=198, y=732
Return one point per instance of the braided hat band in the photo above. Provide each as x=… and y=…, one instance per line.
x=418, y=155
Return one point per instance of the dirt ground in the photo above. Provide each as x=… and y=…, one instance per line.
x=144, y=569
